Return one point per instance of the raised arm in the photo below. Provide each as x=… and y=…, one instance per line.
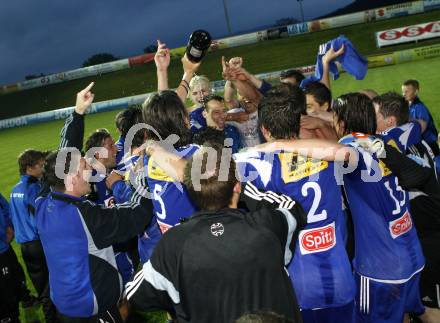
x=326, y=60
x=162, y=61
x=315, y=148
x=72, y=134
x=189, y=69
x=245, y=83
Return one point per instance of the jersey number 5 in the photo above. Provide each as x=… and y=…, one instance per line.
x=157, y=192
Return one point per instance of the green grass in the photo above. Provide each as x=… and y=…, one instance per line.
x=262, y=57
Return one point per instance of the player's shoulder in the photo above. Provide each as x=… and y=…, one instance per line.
x=187, y=151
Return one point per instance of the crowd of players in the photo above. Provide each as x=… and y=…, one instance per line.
x=273, y=203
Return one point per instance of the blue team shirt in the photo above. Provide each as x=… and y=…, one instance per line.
x=386, y=242
x=5, y=221
x=320, y=270
x=122, y=192
x=120, y=146
x=22, y=203
x=171, y=201
x=232, y=133
x=197, y=121
x=104, y=196
x=419, y=111
x=403, y=136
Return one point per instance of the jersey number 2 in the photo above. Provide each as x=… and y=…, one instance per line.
x=312, y=216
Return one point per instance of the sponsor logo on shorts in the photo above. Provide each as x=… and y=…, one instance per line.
x=317, y=239
x=401, y=225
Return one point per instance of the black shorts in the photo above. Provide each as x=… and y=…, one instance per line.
x=430, y=278
x=11, y=282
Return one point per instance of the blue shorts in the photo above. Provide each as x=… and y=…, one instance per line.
x=330, y=315
x=385, y=302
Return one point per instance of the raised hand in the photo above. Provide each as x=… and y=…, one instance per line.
x=113, y=178
x=332, y=54
x=162, y=57
x=84, y=99
x=232, y=70
x=188, y=66
x=235, y=63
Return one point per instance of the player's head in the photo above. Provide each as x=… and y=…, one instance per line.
x=318, y=97
x=74, y=167
x=287, y=89
x=215, y=111
x=391, y=111
x=211, y=181
x=209, y=136
x=279, y=115
x=293, y=77
x=125, y=119
x=369, y=92
x=30, y=162
x=410, y=90
x=354, y=112
x=101, y=138
x=166, y=115
x=199, y=87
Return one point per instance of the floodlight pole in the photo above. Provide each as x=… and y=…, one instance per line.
x=301, y=8
x=228, y=23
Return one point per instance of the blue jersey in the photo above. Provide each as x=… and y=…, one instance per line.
x=170, y=198
x=122, y=191
x=386, y=244
x=5, y=221
x=419, y=111
x=232, y=133
x=197, y=121
x=100, y=193
x=120, y=146
x=403, y=136
x=320, y=270
x=22, y=201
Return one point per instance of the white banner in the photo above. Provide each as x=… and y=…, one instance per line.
x=408, y=34
x=398, y=10
x=75, y=74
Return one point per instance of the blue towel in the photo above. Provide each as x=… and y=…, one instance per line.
x=352, y=62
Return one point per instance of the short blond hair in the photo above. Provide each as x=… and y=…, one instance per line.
x=199, y=80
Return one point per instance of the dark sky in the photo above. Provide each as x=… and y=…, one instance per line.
x=49, y=36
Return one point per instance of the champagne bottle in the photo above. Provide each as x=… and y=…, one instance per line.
x=198, y=45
